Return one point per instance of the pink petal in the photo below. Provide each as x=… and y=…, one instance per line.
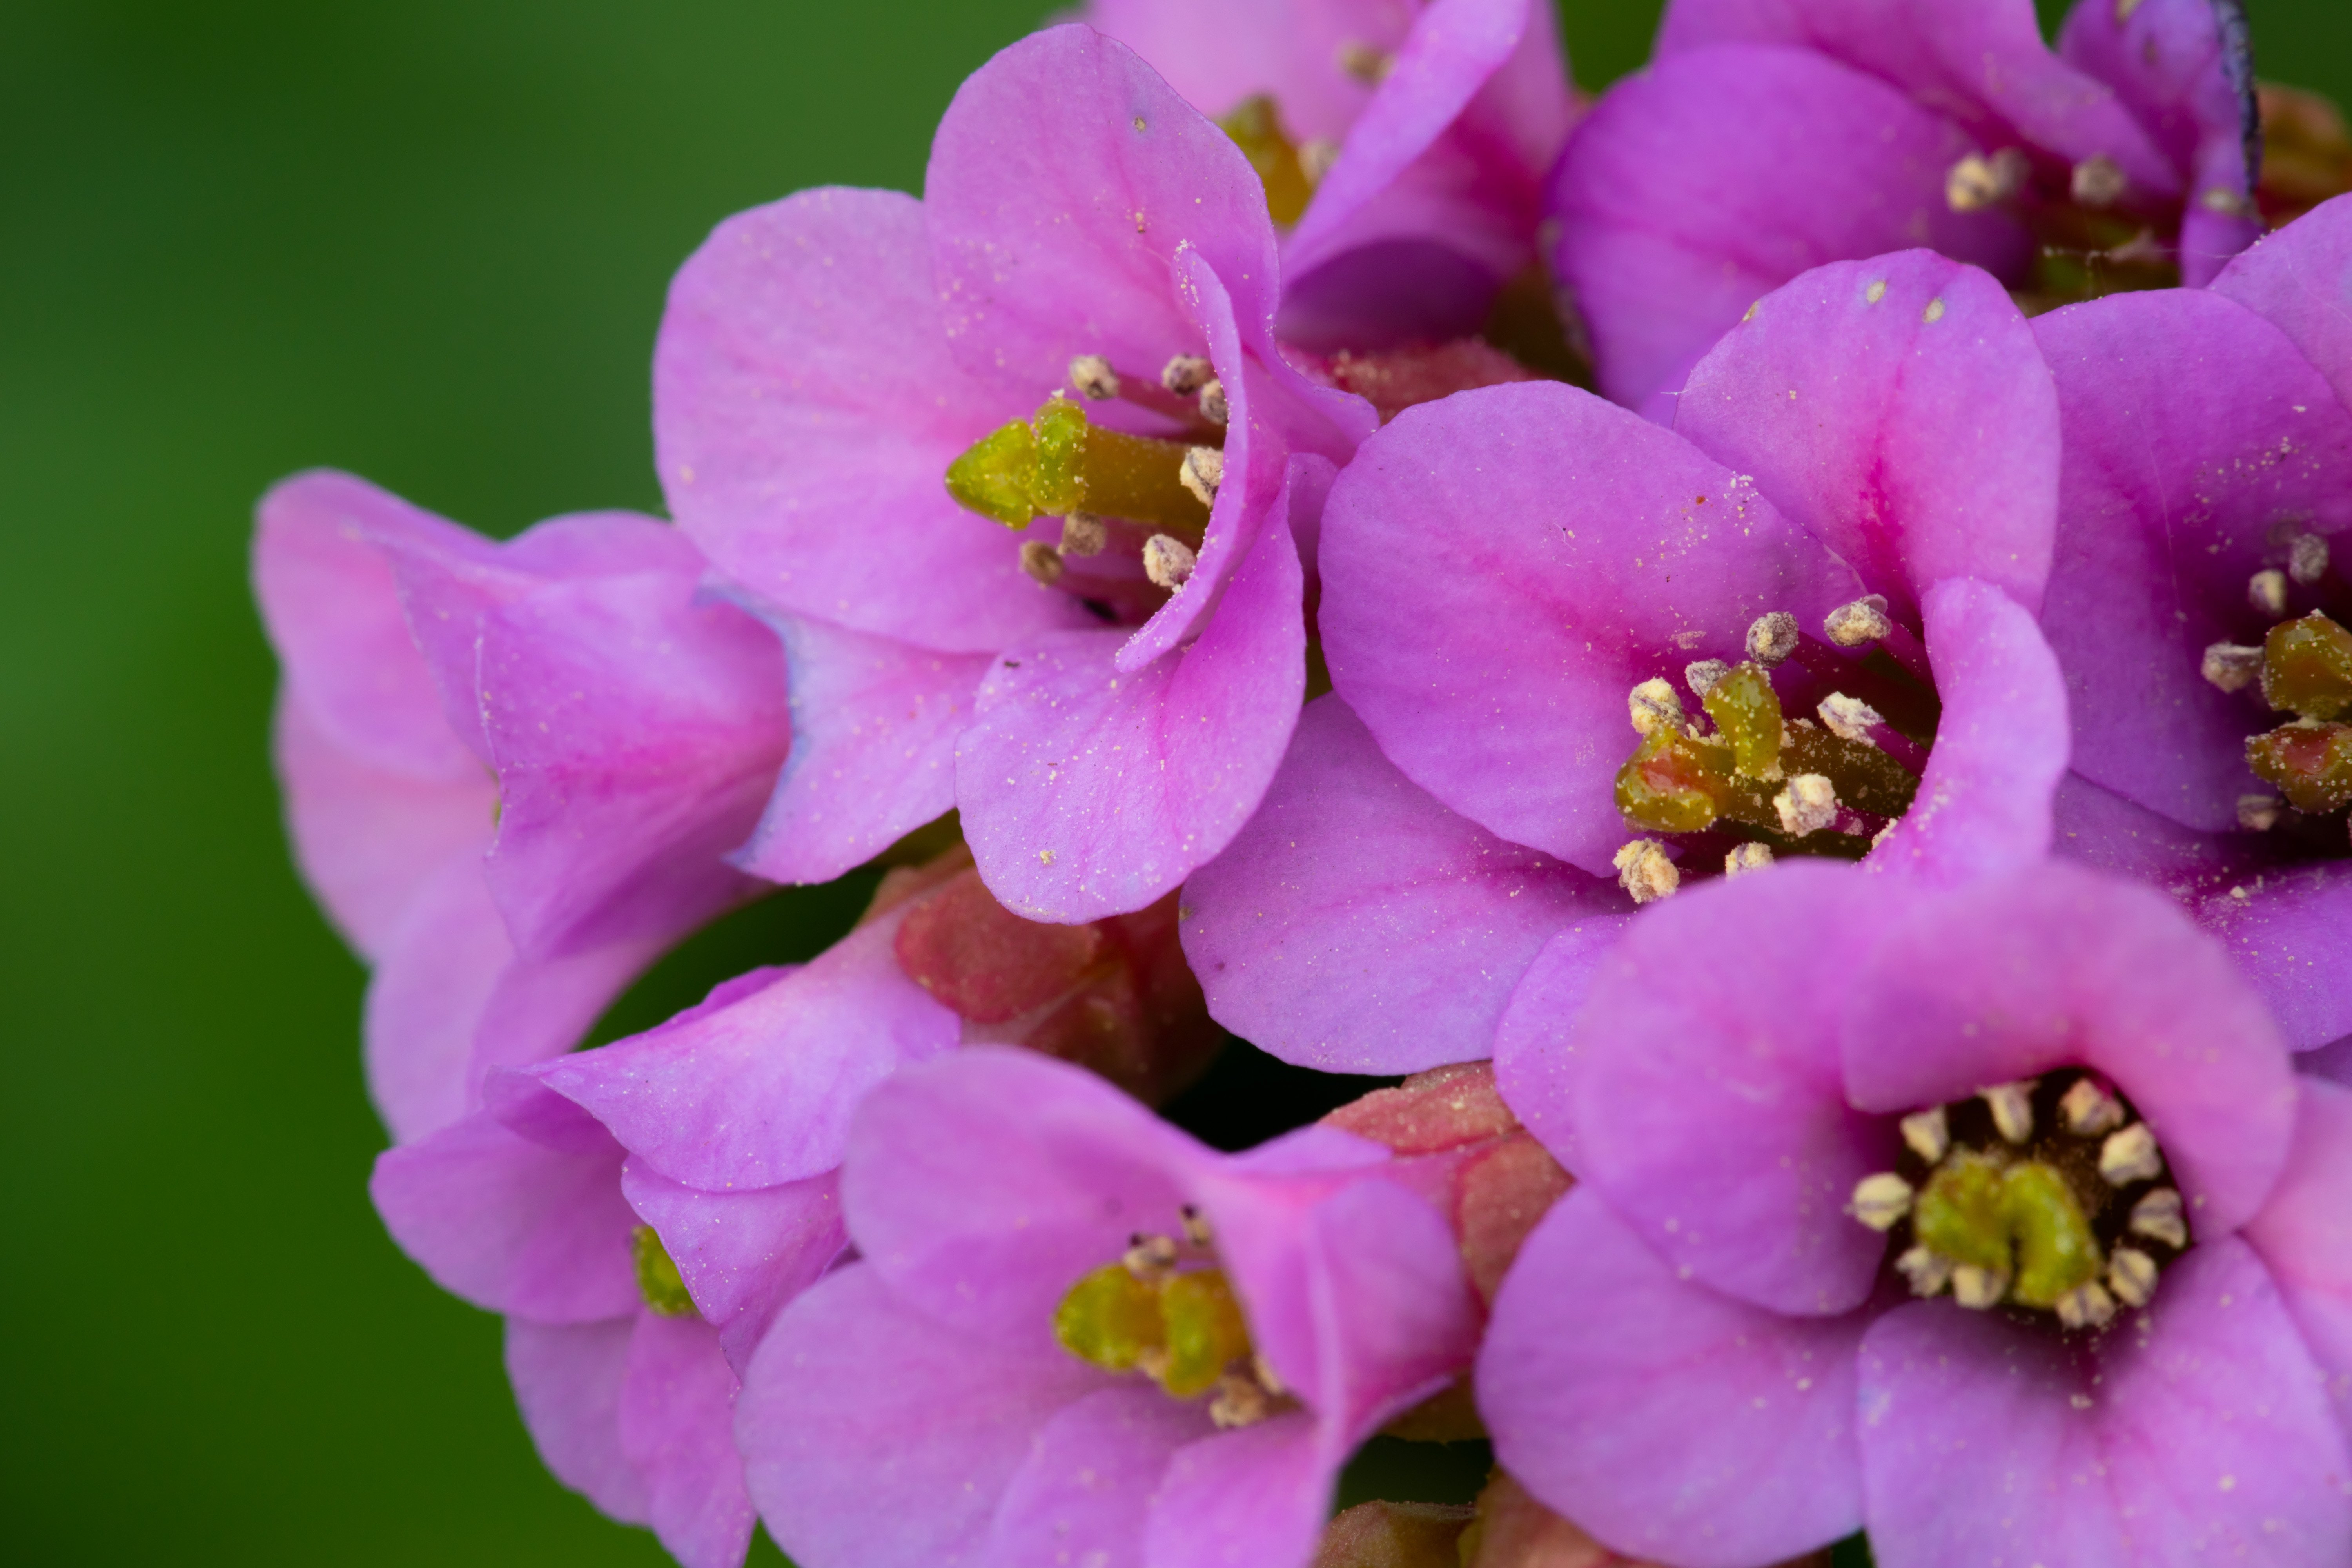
x=567, y=1380
x=2304, y=1235
x=1082, y=1492
x=676, y=1421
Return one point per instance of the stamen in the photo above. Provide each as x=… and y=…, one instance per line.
x=1213, y=403
x=1772, y=637
x=1809, y=805
x=1365, y=63
x=1204, y=471
x=659, y=1284
x=1094, y=378
x=1041, y=561
x=1084, y=533
x=2131, y=1275
x=1976, y=183
x=2307, y=559
x=1168, y=562
x=1654, y=706
x=1977, y=1289
x=1928, y=1271
x=2266, y=592
x=2090, y=1110
x=1646, y=873
x=1858, y=624
x=1745, y=858
x=1196, y=1224
x=2160, y=1217
x=1881, y=1201
x=1849, y=718
x=2085, y=1307
x=1149, y=1258
x=1317, y=157
x=2130, y=1155
x=2098, y=180
x=1185, y=375
x=2011, y=1105
x=1928, y=1134
x=1240, y=1402
x=2260, y=813
x=1265, y=1375
x=2231, y=666
x=1701, y=677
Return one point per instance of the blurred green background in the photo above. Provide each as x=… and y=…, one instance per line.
x=427, y=242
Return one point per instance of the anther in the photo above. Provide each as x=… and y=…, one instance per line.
x=1185, y=375
x=2131, y=1275
x=1204, y=471
x=1196, y=1224
x=2011, y=1105
x=1809, y=805
x=1928, y=1272
x=1265, y=1375
x=2232, y=667
x=2260, y=813
x=1094, y=378
x=1977, y=1290
x=1646, y=873
x=2159, y=1218
x=2085, y=1307
x=1151, y=1258
x=1365, y=63
x=1213, y=403
x=1701, y=677
x=1928, y=1134
x=1882, y=1200
x=1772, y=637
x=1316, y=158
x=2090, y=1110
x=1849, y=718
x=1239, y=1401
x=1976, y=183
x=2306, y=560
x=1747, y=857
x=1168, y=562
x=2098, y=180
x=2130, y=1155
x=1084, y=533
x=1859, y=623
x=1654, y=706
x=2266, y=592
x=1041, y=561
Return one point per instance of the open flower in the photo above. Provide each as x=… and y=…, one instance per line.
x=1075, y=1331
x=512, y=771
x=1766, y=139
x=1993, y=1220
x=1407, y=142
x=2199, y=610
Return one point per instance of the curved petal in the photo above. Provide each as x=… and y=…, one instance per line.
x=1219, y=52
x=1899, y=409
x=1256, y=1498
x=1500, y=568
x=2300, y=280
x=1674, y=1423
x=2197, y=439
x=2201, y=1438
x=1082, y=1492
x=2290, y=931
x=805, y=401
x=742, y=1255
x=567, y=1381
x=2304, y=1235
x=1085, y=791
x=677, y=1420
x=1704, y=183
x=1356, y=925
x=2012, y=977
x=1534, y=1072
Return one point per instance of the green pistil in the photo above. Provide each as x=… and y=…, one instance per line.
x=2020, y=1222
x=1058, y=463
x=1205, y=1331
x=2311, y=764
x=1183, y=1328
x=1110, y=1319
x=1256, y=126
x=2307, y=668
x=658, y=1280
x=1746, y=709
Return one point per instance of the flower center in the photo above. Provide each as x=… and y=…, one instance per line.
x=1166, y=1309
x=1290, y=171
x=658, y=1280
x=2048, y=1197
x=2303, y=666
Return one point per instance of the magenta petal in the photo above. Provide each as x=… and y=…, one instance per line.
x=1701, y=186
x=2191, y=427
x=874, y=1436
x=2290, y=930
x=1219, y=52
x=1533, y=1068
x=875, y=722
x=1984, y=805
x=805, y=411
x=1672, y=1423
x=567, y=1380
x=678, y=1431
x=1899, y=409
x=2304, y=1235
x=2201, y=1436
x=1081, y=1494
x=2332, y=1062
x=760, y=1093
x=2012, y=977
x=2300, y=280
x=1356, y=925
x=1500, y=568
x=1256, y=1498
x=742, y=1254
x=1087, y=792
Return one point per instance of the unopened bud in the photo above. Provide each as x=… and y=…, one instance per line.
x=1394, y=1535
x=2266, y=592
x=2098, y=180
x=1701, y=677
x=1168, y=561
x=1213, y=403
x=1858, y=624
x=1186, y=374
x=2306, y=560
x=1042, y=561
x=2232, y=667
x=1772, y=637
x=1808, y=805
x=1094, y=378
x=1204, y=471
x=1745, y=858
x=1646, y=873
x=1652, y=705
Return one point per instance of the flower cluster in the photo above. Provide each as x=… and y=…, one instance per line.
x=1773, y=649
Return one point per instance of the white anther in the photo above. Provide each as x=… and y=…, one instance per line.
x=1928, y=1134
x=2090, y=1110
x=1151, y=1258
x=2086, y=1306
x=1771, y=638
x=1928, y=1272
x=2159, y=1216
x=1204, y=471
x=1240, y=1402
x=1041, y=561
x=1084, y=533
x=1809, y=805
x=2131, y=1275
x=1094, y=378
x=1849, y=718
x=2260, y=813
x=1654, y=706
x=2266, y=592
x=2130, y=1155
x=1644, y=872
x=1747, y=857
x=2227, y=203
x=2011, y=1105
x=2232, y=667
x=1168, y=562
x=1196, y=1226
x=1881, y=1200
x=1365, y=63
x=1316, y=158
x=1977, y=1290
x=1213, y=403
x=2098, y=180
x=1701, y=677
x=1858, y=624
x=1265, y=1375
x=2306, y=560
x=1186, y=374
x=1976, y=183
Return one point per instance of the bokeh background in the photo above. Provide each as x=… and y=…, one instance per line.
x=427, y=242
